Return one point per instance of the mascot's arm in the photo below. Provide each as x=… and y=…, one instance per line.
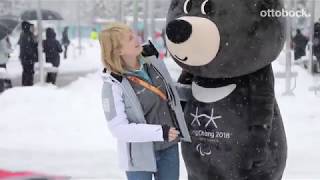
x=184, y=91
x=184, y=87
x=185, y=78
x=261, y=102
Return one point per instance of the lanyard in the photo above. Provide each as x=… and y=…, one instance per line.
x=148, y=86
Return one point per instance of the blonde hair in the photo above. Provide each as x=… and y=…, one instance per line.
x=110, y=39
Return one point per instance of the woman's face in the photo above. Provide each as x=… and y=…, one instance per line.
x=130, y=44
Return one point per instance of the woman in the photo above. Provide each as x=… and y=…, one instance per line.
x=65, y=41
x=141, y=106
x=52, y=48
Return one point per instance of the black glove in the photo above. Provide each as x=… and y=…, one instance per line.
x=149, y=50
x=165, y=132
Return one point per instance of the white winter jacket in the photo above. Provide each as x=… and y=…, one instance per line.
x=127, y=124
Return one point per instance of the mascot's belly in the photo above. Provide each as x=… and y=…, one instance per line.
x=218, y=127
x=219, y=130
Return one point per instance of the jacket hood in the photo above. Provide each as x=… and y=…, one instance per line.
x=111, y=77
x=50, y=34
x=25, y=26
x=65, y=29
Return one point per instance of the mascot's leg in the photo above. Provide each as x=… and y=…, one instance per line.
x=197, y=170
x=200, y=168
x=274, y=167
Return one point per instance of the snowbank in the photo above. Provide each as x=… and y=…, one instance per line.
x=67, y=133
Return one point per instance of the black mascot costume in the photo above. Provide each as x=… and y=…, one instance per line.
x=225, y=48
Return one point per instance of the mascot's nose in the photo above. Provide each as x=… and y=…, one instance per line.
x=178, y=31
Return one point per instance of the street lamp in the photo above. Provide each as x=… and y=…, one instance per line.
x=40, y=57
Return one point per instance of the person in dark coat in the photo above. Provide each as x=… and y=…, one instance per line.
x=52, y=48
x=316, y=41
x=300, y=42
x=28, y=53
x=65, y=41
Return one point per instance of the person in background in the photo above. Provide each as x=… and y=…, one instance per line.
x=299, y=44
x=5, y=50
x=141, y=105
x=160, y=44
x=52, y=48
x=28, y=52
x=65, y=41
x=94, y=34
x=316, y=41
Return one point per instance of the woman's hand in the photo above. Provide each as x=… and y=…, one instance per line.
x=173, y=134
x=169, y=133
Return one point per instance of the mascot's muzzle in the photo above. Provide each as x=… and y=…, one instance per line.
x=193, y=40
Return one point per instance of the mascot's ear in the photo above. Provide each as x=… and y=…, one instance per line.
x=149, y=50
x=174, y=4
x=263, y=5
x=268, y=4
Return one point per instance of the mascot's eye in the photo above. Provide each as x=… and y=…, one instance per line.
x=187, y=6
x=206, y=7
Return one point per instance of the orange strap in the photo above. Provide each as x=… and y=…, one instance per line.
x=148, y=86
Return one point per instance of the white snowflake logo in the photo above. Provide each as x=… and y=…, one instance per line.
x=211, y=118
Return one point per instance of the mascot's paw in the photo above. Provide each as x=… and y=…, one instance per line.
x=254, y=158
x=149, y=50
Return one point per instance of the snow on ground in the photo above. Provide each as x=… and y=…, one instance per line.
x=53, y=118
x=62, y=131
x=301, y=116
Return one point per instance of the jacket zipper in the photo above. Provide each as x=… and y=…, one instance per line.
x=168, y=88
x=172, y=99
